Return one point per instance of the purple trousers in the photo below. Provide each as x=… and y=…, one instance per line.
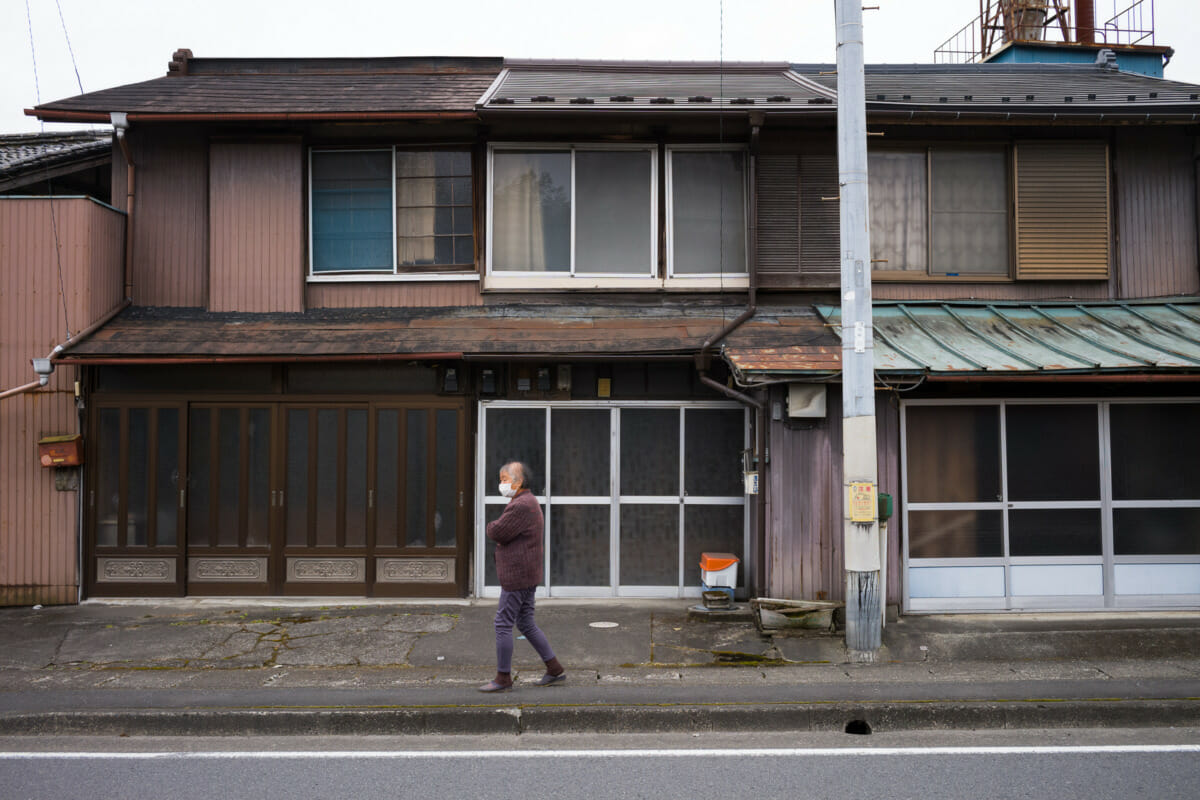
x=516, y=608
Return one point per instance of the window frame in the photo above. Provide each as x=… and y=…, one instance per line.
x=669, y=222
x=1108, y=561
x=397, y=274
x=925, y=276
x=571, y=275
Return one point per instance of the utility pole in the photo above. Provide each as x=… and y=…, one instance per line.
x=864, y=606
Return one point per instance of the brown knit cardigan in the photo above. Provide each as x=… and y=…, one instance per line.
x=518, y=537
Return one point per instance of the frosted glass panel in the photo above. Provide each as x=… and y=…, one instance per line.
x=166, y=470
x=356, y=477
x=712, y=456
x=1158, y=579
x=137, y=503
x=613, y=219
x=1055, y=579
x=899, y=227
x=515, y=434
x=108, y=480
x=649, y=545
x=327, y=477
x=387, y=469
x=712, y=529
x=956, y=582
x=258, y=472
x=579, y=553
x=445, y=517
x=416, y=501
x=297, y=477
x=970, y=212
x=649, y=451
x=580, y=444
x=708, y=212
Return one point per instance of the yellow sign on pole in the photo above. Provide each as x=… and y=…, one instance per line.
x=863, y=505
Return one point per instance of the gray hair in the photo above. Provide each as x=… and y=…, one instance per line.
x=519, y=470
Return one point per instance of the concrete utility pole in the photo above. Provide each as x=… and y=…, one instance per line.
x=864, y=607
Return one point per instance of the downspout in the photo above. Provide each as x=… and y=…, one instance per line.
x=704, y=357
x=120, y=123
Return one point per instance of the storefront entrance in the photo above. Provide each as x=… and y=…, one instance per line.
x=270, y=498
x=1051, y=504
x=632, y=492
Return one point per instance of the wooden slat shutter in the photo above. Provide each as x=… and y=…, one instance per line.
x=820, y=242
x=1062, y=225
x=778, y=214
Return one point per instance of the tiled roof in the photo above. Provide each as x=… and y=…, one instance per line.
x=544, y=329
x=25, y=157
x=652, y=87
x=324, y=86
x=1018, y=88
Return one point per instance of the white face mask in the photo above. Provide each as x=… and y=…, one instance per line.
x=507, y=490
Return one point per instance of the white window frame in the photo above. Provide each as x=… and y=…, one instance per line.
x=485, y=476
x=688, y=278
x=510, y=278
x=395, y=275
x=1108, y=562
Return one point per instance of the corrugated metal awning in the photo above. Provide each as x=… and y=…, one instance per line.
x=1014, y=339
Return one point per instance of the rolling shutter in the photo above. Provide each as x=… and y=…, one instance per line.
x=1062, y=211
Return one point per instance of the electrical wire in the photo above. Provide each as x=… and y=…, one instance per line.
x=62, y=289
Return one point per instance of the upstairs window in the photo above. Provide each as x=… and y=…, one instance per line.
x=567, y=211
x=379, y=212
x=940, y=212
x=707, y=212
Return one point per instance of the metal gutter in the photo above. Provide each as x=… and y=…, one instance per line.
x=277, y=359
x=279, y=116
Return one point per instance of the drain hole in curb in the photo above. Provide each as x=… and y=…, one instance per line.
x=858, y=727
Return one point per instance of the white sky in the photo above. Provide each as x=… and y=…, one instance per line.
x=126, y=41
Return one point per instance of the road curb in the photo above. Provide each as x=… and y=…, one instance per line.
x=632, y=718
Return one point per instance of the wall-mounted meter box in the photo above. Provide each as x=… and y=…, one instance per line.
x=806, y=400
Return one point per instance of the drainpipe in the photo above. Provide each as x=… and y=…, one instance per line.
x=120, y=123
x=704, y=357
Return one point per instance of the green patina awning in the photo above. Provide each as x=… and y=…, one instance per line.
x=930, y=338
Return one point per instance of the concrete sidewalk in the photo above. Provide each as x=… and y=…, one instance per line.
x=227, y=667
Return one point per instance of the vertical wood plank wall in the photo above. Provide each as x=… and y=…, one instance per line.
x=170, y=231
x=39, y=525
x=1156, y=214
x=256, y=227
x=804, y=537
x=411, y=295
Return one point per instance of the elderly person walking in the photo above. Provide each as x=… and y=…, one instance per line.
x=518, y=537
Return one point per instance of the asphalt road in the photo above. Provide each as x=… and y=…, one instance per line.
x=1027, y=764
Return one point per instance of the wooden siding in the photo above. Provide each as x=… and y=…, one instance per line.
x=393, y=295
x=1156, y=214
x=1062, y=218
x=256, y=227
x=170, y=219
x=1004, y=290
x=804, y=509
x=38, y=525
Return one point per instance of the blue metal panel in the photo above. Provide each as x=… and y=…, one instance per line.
x=1150, y=64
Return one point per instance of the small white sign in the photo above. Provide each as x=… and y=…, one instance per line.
x=751, y=480
x=860, y=337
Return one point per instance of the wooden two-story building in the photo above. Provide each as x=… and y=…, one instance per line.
x=356, y=287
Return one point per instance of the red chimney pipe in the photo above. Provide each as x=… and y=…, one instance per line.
x=1085, y=21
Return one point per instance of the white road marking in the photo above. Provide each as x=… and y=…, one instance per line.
x=708, y=753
